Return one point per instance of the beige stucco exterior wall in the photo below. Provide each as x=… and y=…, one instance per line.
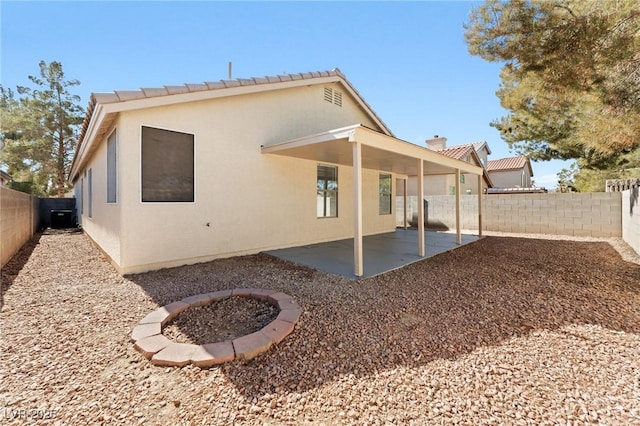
x=444, y=185
x=18, y=221
x=245, y=201
x=510, y=179
x=631, y=218
x=104, y=224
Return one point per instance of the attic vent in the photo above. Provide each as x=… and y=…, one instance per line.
x=328, y=94
x=333, y=96
x=337, y=98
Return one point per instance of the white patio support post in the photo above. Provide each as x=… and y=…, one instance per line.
x=406, y=221
x=458, y=232
x=358, y=264
x=479, y=205
x=421, y=248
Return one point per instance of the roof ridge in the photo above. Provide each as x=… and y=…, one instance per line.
x=152, y=92
x=462, y=145
x=515, y=156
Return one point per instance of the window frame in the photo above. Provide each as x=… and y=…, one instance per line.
x=90, y=193
x=326, y=191
x=382, y=193
x=112, y=184
x=140, y=187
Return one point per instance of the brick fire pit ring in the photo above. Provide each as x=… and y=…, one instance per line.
x=150, y=342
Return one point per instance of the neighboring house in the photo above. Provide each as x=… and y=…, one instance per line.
x=5, y=178
x=185, y=174
x=512, y=172
x=473, y=153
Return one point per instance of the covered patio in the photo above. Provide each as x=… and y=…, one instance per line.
x=381, y=252
x=363, y=148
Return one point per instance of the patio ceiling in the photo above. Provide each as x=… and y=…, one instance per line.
x=379, y=152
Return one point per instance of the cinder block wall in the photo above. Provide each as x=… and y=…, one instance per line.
x=18, y=221
x=590, y=214
x=585, y=215
x=631, y=218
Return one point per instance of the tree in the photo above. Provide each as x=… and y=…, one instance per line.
x=39, y=129
x=570, y=79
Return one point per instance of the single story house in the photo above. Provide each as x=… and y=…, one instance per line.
x=185, y=174
x=512, y=172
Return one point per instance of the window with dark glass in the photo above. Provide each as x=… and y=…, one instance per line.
x=167, y=166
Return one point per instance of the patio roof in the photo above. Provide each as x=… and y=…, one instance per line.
x=379, y=152
x=363, y=148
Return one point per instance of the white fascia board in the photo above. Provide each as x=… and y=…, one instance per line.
x=97, y=118
x=398, y=146
x=341, y=133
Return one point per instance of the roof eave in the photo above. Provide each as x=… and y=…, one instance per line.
x=108, y=103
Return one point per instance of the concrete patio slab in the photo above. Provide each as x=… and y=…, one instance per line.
x=382, y=252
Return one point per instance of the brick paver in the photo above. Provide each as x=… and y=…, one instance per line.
x=197, y=300
x=219, y=295
x=290, y=315
x=277, y=330
x=151, y=345
x=174, y=355
x=159, y=315
x=212, y=354
x=285, y=304
x=242, y=292
x=262, y=294
x=247, y=347
x=141, y=331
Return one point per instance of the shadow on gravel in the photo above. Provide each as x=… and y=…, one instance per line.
x=441, y=308
x=11, y=270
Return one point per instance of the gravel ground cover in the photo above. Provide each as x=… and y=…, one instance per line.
x=502, y=331
x=219, y=321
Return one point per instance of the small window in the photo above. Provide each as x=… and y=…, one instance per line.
x=90, y=193
x=112, y=170
x=327, y=191
x=167, y=166
x=461, y=178
x=385, y=193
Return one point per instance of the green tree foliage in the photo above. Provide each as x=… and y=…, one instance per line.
x=570, y=79
x=38, y=131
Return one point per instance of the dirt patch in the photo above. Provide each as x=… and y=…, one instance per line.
x=226, y=319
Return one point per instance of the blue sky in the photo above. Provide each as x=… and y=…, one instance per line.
x=407, y=59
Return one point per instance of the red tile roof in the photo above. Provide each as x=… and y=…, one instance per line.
x=458, y=152
x=511, y=163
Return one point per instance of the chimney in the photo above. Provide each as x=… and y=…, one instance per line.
x=437, y=143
